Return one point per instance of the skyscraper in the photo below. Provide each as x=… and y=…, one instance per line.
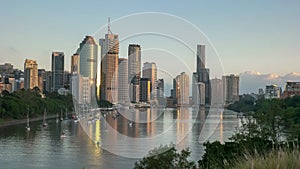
x=145, y=87
x=123, y=86
x=30, y=74
x=48, y=81
x=88, y=56
x=198, y=91
x=182, y=89
x=134, y=71
x=159, y=92
x=230, y=88
x=88, y=52
x=160, y=85
x=75, y=64
x=41, y=77
x=202, y=73
x=109, y=67
x=217, y=97
x=134, y=90
x=57, y=70
x=200, y=57
x=67, y=80
x=134, y=61
x=150, y=72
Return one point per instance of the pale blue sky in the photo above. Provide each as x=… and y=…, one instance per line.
x=248, y=35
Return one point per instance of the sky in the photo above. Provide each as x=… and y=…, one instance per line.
x=248, y=36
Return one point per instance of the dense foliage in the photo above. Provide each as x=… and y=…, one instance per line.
x=16, y=105
x=166, y=157
x=104, y=104
x=247, y=103
x=274, y=125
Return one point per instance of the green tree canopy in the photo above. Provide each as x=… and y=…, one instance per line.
x=166, y=157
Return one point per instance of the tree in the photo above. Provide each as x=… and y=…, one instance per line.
x=166, y=157
x=14, y=105
x=104, y=103
x=269, y=119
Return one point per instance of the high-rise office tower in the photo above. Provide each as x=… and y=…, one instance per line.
x=150, y=72
x=134, y=61
x=159, y=85
x=74, y=70
x=159, y=92
x=88, y=52
x=134, y=90
x=145, y=87
x=134, y=71
x=75, y=63
x=88, y=56
x=217, y=97
x=174, y=90
x=48, y=81
x=41, y=77
x=123, y=85
x=109, y=66
x=30, y=74
x=57, y=70
x=198, y=91
x=200, y=57
x=230, y=88
x=67, y=80
x=202, y=73
x=182, y=89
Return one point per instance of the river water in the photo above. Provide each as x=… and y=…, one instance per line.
x=112, y=141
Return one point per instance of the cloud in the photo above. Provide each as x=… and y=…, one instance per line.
x=251, y=81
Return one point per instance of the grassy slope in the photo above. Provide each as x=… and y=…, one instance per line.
x=281, y=159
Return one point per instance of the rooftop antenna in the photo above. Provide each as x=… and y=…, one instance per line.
x=108, y=26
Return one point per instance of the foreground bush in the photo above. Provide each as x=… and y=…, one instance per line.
x=166, y=157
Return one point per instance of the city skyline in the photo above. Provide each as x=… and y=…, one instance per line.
x=235, y=32
x=149, y=84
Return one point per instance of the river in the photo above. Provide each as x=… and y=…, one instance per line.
x=112, y=141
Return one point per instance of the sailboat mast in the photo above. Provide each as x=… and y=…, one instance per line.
x=44, y=120
x=28, y=116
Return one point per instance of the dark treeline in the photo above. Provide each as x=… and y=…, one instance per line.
x=15, y=105
x=270, y=127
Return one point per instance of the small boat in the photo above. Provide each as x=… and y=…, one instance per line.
x=45, y=124
x=63, y=135
x=27, y=126
x=61, y=117
x=57, y=118
x=76, y=119
x=130, y=124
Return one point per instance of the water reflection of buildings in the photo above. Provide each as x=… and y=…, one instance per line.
x=153, y=127
x=184, y=123
x=219, y=125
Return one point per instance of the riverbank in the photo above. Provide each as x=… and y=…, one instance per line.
x=22, y=121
